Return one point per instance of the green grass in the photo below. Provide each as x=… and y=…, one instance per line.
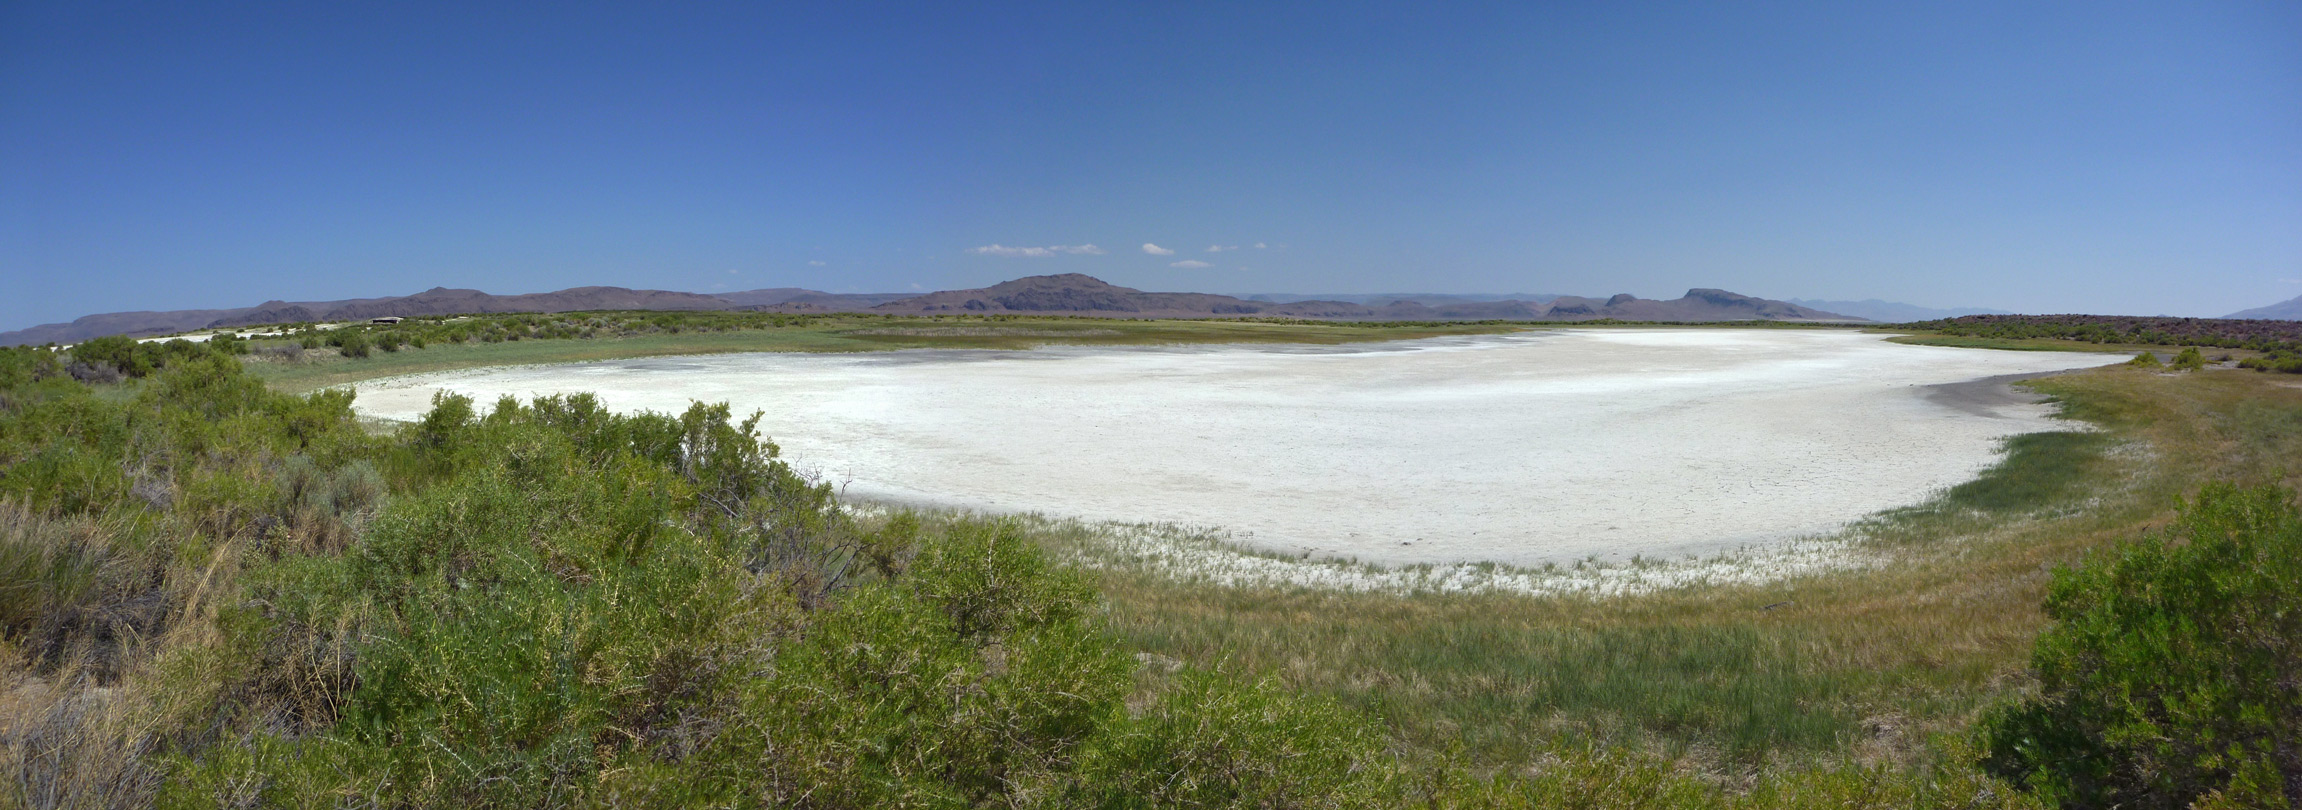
x=2019, y=344
x=2040, y=470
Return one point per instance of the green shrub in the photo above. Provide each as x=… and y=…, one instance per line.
x=352, y=342
x=2280, y=361
x=228, y=343
x=2189, y=359
x=899, y=696
x=2171, y=672
x=116, y=351
x=2145, y=360
x=22, y=365
x=1212, y=741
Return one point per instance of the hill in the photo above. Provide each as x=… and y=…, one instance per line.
x=1076, y=294
x=435, y=301
x=1426, y=299
x=799, y=299
x=444, y=301
x=133, y=324
x=1893, y=311
x=2287, y=310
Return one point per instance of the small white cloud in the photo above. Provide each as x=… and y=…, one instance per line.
x=1156, y=250
x=1190, y=264
x=915, y=286
x=1221, y=248
x=731, y=271
x=1006, y=252
x=815, y=263
x=1260, y=246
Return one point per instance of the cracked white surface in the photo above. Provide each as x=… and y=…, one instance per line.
x=1522, y=449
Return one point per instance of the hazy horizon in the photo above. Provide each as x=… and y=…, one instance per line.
x=2046, y=158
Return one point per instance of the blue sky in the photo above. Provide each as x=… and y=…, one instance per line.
x=2110, y=157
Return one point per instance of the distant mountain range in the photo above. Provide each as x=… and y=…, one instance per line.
x=1075, y=294
x=2287, y=310
x=1068, y=294
x=435, y=301
x=1892, y=312
x=1427, y=299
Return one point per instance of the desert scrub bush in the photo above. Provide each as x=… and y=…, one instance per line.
x=926, y=690
x=133, y=359
x=22, y=365
x=2281, y=361
x=2173, y=673
x=2189, y=359
x=228, y=343
x=352, y=343
x=117, y=352
x=1210, y=740
x=586, y=607
x=2145, y=360
x=519, y=623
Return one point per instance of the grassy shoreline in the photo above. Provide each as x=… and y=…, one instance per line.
x=1864, y=663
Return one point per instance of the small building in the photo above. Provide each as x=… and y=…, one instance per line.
x=388, y=319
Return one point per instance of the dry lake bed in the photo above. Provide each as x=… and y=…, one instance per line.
x=1523, y=449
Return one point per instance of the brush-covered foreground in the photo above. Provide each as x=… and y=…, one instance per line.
x=213, y=594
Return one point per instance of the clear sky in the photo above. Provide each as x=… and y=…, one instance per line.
x=2112, y=157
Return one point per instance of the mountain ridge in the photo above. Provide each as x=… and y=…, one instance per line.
x=2287, y=310
x=1077, y=294
x=1064, y=294
x=1893, y=311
